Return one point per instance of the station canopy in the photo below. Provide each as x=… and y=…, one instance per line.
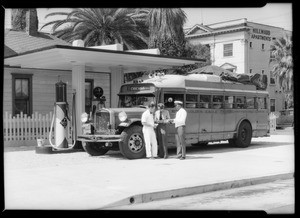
x=61, y=57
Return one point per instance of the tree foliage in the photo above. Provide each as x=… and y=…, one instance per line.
x=282, y=65
x=101, y=26
x=282, y=62
x=18, y=18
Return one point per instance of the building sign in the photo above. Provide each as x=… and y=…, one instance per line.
x=261, y=34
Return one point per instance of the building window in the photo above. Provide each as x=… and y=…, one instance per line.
x=262, y=72
x=250, y=45
x=228, y=50
x=272, y=105
x=22, y=93
x=263, y=46
x=272, y=78
x=89, y=85
x=250, y=70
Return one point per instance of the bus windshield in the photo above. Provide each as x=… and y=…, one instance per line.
x=136, y=100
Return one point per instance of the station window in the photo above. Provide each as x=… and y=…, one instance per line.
x=228, y=50
x=250, y=71
x=250, y=102
x=170, y=98
x=217, y=101
x=263, y=46
x=229, y=102
x=240, y=102
x=191, y=100
x=22, y=93
x=89, y=85
x=204, y=101
x=250, y=45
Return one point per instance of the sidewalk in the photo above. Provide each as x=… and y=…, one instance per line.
x=77, y=181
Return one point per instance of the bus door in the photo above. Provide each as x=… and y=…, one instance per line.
x=218, y=118
x=262, y=116
x=193, y=117
x=168, y=100
x=205, y=117
x=229, y=116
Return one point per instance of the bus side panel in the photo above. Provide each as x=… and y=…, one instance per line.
x=262, y=122
x=205, y=125
x=252, y=117
x=218, y=119
x=239, y=115
x=230, y=123
x=171, y=129
x=192, y=127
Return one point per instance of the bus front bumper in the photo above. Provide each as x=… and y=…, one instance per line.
x=99, y=138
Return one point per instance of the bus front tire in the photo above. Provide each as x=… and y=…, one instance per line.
x=94, y=148
x=244, y=136
x=132, y=145
x=200, y=144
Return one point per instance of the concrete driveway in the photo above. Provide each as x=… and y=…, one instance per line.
x=77, y=181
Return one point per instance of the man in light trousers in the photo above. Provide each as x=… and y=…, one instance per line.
x=179, y=122
x=148, y=131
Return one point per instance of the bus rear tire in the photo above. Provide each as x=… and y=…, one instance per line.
x=94, y=148
x=132, y=145
x=244, y=136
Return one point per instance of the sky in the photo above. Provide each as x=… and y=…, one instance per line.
x=273, y=14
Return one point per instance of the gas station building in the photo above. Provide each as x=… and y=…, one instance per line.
x=75, y=65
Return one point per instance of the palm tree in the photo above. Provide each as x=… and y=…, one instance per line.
x=101, y=26
x=282, y=62
x=282, y=65
x=165, y=29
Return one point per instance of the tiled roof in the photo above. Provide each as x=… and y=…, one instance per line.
x=19, y=41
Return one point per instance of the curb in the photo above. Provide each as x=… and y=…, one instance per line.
x=180, y=192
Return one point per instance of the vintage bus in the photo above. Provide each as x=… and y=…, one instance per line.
x=216, y=110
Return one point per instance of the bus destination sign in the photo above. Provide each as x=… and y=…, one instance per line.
x=138, y=88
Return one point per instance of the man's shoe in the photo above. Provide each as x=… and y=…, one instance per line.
x=182, y=158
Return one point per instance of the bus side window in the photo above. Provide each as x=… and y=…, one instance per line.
x=217, y=101
x=191, y=100
x=229, y=102
x=250, y=101
x=170, y=98
x=204, y=101
x=262, y=103
x=240, y=102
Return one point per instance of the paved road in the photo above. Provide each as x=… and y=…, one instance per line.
x=275, y=198
x=78, y=181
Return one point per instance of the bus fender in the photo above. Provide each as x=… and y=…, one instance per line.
x=129, y=123
x=239, y=123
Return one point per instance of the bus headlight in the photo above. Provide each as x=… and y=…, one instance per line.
x=84, y=117
x=122, y=116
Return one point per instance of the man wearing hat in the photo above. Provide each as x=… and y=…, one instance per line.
x=161, y=117
x=179, y=122
x=148, y=131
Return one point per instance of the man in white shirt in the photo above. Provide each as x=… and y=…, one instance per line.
x=148, y=131
x=179, y=122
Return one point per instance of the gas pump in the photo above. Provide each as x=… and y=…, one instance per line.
x=61, y=117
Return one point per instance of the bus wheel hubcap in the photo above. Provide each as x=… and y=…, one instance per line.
x=135, y=143
x=244, y=134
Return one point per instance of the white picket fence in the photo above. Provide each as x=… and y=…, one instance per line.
x=23, y=130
